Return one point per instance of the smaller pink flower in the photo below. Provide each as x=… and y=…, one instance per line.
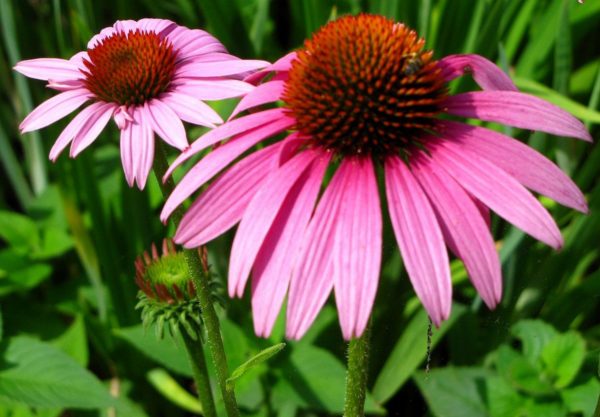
x=149, y=76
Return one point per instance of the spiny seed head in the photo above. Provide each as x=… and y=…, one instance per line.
x=365, y=85
x=130, y=68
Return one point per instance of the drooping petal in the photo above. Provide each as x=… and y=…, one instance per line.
x=192, y=110
x=272, y=269
x=98, y=118
x=498, y=190
x=274, y=121
x=160, y=26
x=282, y=64
x=127, y=154
x=357, y=248
x=213, y=89
x=142, y=149
x=193, y=42
x=517, y=109
x=72, y=130
x=54, y=109
x=259, y=216
x=420, y=240
x=465, y=226
x=312, y=274
x=223, y=203
x=485, y=73
x=265, y=93
x=214, y=162
x=48, y=69
x=166, y=123
x=219, y=68
x=525, y=164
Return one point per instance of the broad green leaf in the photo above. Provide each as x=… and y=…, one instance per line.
x=409, y=352
x=520, y=373
x=171, y=390
x=257, y=359
x=534, y=335
x=74, y=342
x=165, y=352
x=563, y=356
x=454, y=392
x=582, y=398
x=39, y=375
x=19, y=231
x=503, y=400
x=54, y=243
x=318, y=378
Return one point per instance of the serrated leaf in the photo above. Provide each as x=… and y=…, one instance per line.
x=261, y=357
x=563, y=356
x=171, y=390
x=534, y=335
x=520, y=373
x=36, y=374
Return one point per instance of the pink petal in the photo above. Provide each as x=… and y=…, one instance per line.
x=125, y=25
x=357, y=247
x=166, y=123
x=127, y=153
x=160, y=26
x=48, y=68
x=193, y=42
x=273, y=266
x=485, y=73
x=72, y=130
x=214, y=162
x=465, y=226
x=517, y=109
x=420, y=239
x=526, y=165
x=259, y=216
x=223, y=203
x=282, y=64
x=142, y=149
x=215, y=89
x=312, y=275
x=219, y=68
x=97, y=39
x=65, y=85
x=274, y=121
x=96, y=122
x=268, y=92
x=191, y=110
x=54, y=109
x=497, y=190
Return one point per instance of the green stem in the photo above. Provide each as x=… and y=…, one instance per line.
x=200, y=278
x=200, y=372
x=356, y=376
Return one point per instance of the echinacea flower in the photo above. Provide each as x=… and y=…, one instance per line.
x=363, y=99
x=147, y=75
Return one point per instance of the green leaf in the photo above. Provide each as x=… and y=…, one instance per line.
x=172, y=391
x=582, y=398
x=520, y=373
x=55, y=242
x=164, y=352
x=409, y=352
x=74, y=341
x=454, y=392
x=502, y=398
x=39, y=375
x=19, y=231
x=534, y=335
x=257, y=359
x=563, y=356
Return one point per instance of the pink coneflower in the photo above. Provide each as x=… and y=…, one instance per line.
x=363, y=99
x=148, y=75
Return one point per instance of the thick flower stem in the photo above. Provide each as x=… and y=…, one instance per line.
x=200, y=372
x=356, y=375
x=201, y=282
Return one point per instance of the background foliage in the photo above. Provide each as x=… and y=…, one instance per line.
x=69, y=232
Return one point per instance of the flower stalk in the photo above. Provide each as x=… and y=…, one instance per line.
x=356, y=375
x=203, y=291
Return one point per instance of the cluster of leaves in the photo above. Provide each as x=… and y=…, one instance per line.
x=70, y=232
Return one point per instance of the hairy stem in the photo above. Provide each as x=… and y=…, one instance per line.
x=356, y=375
x=201, y=282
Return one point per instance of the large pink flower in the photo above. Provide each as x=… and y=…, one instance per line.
x=148, y=75
x=363, y=99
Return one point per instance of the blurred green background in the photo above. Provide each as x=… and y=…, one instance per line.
x=72, y=343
